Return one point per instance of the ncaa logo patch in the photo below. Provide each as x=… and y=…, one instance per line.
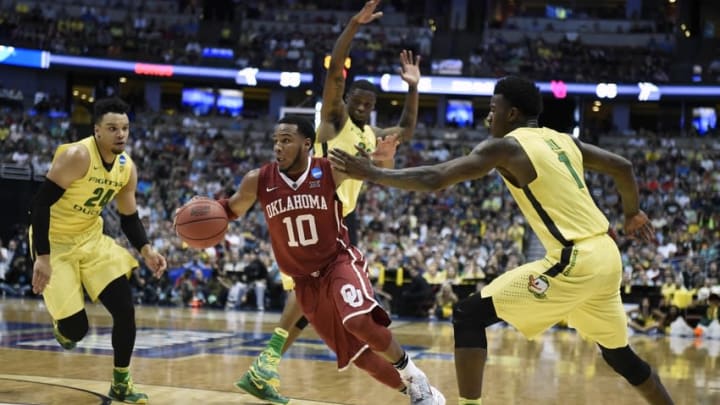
x=538, y=286
x=316, y=173
x=122, y=159
x=351, y=295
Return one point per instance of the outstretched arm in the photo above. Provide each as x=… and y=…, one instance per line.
x=485, y=157
x=333, y=107
x=410, y=73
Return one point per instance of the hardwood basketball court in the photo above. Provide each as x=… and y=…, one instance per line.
x=191, y=356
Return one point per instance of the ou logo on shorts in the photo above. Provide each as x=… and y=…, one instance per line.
x=351, y=295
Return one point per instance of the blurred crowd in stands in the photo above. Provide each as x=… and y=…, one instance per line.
x=425, y=250
x=296, y=36
x=267, y=35
x=463, y=236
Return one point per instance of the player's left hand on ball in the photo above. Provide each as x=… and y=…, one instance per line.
x=639, y=227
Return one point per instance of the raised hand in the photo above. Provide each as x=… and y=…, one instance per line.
x=386, y=147
x=639, y=227
x=368, y=14
x=409, y=67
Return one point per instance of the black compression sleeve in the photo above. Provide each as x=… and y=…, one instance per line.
x=134, y=230
x=48, y=195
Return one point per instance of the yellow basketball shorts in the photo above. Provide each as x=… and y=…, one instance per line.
x=91, y=261
x=586, y=294
x=287, y=282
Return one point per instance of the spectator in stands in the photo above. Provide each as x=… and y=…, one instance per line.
x=256, y=274
x=644, y=318
x=417, y=295
x=6, y=258
x=445, y=299
x=184, y=289
x=710, y=311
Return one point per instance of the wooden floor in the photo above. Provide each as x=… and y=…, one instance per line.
x=188, y=356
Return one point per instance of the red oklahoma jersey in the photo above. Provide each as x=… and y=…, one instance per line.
x=304, y=217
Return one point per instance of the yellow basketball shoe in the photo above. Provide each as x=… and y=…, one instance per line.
x=122, y=389
x=66, y=343
x=262, y=379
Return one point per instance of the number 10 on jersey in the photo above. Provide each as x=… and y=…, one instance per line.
x=301, y=230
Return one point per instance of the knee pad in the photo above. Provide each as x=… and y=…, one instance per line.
x=74, y=327
x=626, y=363
x=301, y=323
x=366, y=329
x=470, y=317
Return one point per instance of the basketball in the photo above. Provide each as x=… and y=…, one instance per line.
x=201, y=223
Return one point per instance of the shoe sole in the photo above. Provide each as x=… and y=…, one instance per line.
x=125, y=401
x=440, y=398
x=249, y=388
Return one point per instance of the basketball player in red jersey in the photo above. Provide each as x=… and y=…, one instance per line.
x=310, y=243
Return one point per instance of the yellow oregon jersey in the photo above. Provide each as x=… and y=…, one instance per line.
x=79, y=208
x=349, y=136
x=557, y=203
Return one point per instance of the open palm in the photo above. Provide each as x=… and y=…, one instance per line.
x=409, y=67
x=368, y=14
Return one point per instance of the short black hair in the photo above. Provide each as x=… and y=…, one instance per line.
x=363, y=85
x=109, y=105
x=522, y=94
x=305, y=128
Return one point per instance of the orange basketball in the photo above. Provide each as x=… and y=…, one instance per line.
x=201, y=223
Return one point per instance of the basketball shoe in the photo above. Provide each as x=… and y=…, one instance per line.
x=421, y=392
x=262, y=379
x=66, y=343
x=122, y=389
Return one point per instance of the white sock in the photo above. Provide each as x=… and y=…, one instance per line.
x=410, y=370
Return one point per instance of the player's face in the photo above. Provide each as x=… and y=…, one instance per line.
x=501, y=116
x=291, y=148
x=360, y=103
x=112, y=132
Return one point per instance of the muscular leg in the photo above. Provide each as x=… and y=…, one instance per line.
x=638, y=373
x=470, y=317
x=117, y=298
x=381, y=341
x=292, y=320
x=379, y=369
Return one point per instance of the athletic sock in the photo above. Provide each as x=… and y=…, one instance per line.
x=277, y=340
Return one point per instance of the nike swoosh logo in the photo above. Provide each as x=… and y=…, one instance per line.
x=96, y=167
x=269, y=189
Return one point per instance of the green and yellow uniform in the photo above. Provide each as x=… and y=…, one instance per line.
x=80, y=254
x=349, y=136
x=579, y=278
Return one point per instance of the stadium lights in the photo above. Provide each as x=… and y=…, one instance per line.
x=392, y=83
x=606, y=90
x=479, y=86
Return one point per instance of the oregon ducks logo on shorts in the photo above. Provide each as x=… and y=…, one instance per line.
x=351, y=295
x=538, y=286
